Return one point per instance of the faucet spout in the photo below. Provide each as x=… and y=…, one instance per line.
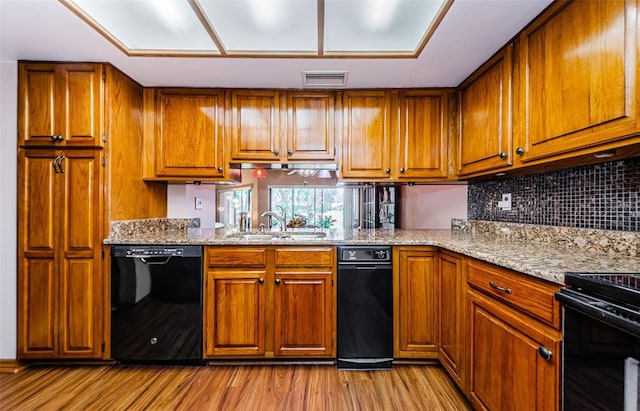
x=282, y=219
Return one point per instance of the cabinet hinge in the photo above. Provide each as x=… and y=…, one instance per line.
x=102, y=253
x=104, y=162
x=104, y=137
x=104, y=76
x=102, y=346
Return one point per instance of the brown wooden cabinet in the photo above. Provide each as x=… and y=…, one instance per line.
x=269, y=301
x=254, y=126
x=451, y=305
x=422, y=149
x=415, y=299
x=185, y=134
x=514, y=340
x=60, y=283
x=310, y=127
x=367, y=134
x=578, y=86
x=60, y=104
x=485, y=110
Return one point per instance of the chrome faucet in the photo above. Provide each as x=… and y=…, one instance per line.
x=282, y=219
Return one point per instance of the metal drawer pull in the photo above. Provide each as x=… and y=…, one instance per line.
x=544, y=353
x=497, y=287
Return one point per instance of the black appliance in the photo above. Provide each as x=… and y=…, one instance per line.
x=601, y=340
x=156, y=304
x=365, y=307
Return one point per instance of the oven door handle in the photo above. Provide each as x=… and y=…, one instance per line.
x=591, y=307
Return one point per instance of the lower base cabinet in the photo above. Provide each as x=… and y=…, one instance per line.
x=415, y=299
x=265, y=302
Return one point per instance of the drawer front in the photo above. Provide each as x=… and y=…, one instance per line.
x=236, y=257
x=534, y=297
x=305, y=257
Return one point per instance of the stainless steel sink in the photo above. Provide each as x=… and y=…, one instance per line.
x=278, y=235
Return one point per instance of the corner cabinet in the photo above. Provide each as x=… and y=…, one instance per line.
x=514, y=340
x=184, y=130
x=578, y=86
x=269, y=302
x=485, y=110
x=415, y=298
x=60, y=105
x=60, y=282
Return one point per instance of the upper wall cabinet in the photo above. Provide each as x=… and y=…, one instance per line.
x=485, y=110
x=186, y=130
x=423, y=143
x=578, y=78
x=366, y=135
x=310, y=126
x=254, y=125
x=60, y=105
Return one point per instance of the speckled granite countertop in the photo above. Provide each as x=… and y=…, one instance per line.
x=543, y=260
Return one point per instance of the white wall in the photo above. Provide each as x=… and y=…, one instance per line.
x=432, y=206
x=8, y=219
x=181, y=202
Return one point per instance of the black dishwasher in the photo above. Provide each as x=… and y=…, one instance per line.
x=365, y=307
x=156, y=304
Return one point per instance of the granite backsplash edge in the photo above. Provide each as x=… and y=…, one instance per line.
x=626, y=243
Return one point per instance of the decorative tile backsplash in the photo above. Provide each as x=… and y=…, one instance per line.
x=602, y=196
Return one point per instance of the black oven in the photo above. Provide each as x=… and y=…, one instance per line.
x=601, y=342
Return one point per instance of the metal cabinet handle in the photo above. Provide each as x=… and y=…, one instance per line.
x=497, y=287
x=387, y=170
x=54, y=163
x=544, y=353
x=60, y=164
x=277, y=281
x=261, y=280
x=220, y=169
x=520, y=151
x=57, y=137
x=276, y=151
x=289, y=152
x=502, y=155
x=402, y=169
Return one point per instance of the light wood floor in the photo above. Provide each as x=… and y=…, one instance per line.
x=229, y=387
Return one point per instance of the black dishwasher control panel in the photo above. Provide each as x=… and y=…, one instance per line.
x=156, y=251
x=360, y=254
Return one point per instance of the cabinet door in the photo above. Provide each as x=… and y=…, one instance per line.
x=423, y=135
x=303, y=314
x=507, y=370
x=235, y=313
x=578, y=78
x=310, y=125
x=190, y=133
x=60, y=104
x=81, y=285
x=452, y=318
x=37, y=281
x=255, y=125
x=485, y=106
x=415, y=301
x=366, y=147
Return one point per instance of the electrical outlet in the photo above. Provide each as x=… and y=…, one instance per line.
x=199, y=203
x=505, y=203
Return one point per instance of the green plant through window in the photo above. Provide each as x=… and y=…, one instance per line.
x=320, y=207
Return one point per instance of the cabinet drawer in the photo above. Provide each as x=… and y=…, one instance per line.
x=236, y=257
x=534, y=297
x=305, y=256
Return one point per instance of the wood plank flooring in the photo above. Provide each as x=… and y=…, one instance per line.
x=229, y=387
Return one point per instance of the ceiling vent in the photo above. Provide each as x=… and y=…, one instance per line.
x=329, y=79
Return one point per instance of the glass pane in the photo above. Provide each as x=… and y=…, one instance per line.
x=151, y=24
x=378, y=25
x=264, y=25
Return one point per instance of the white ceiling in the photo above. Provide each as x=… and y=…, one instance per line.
x=469, y=34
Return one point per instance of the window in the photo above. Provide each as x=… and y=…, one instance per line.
x=306, y=206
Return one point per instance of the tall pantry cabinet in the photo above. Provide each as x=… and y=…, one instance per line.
x=79, y=132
